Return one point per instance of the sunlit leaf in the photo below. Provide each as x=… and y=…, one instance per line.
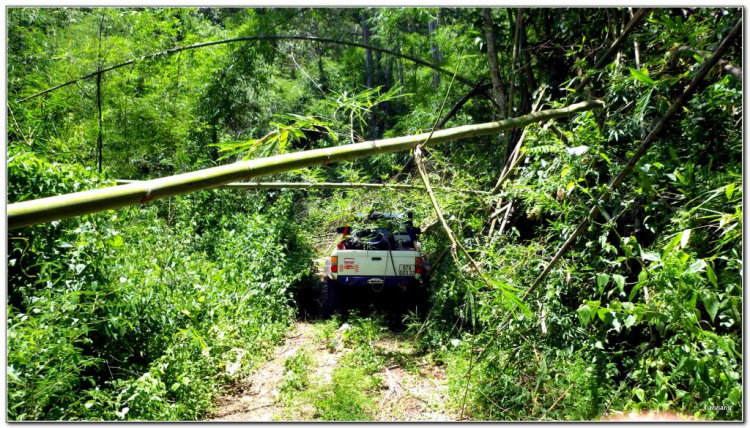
x=711, y=303
x=642, y=77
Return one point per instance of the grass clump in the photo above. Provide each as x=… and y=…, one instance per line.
x=347, y=397
x=297, y=373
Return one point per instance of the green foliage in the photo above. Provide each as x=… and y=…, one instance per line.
x=276, y=141
x=296, y=376
x=124, y=317
x=142, y=313
x=344, y=399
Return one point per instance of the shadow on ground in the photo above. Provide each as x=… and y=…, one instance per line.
x=397, y=305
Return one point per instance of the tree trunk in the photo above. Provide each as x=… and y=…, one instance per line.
x=387, y=73
x=322, y=77
x=513, y=62
x=100, y=137
x=497, y=84
x=511, y=135
x=530, y=80
x=434, y=51
x=636, y=48
x=368, y=52
x=401, y=76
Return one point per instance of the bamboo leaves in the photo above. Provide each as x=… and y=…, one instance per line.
x=279, y=139
x=642, y=76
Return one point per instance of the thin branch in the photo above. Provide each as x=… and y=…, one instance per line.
x=493, y=217
x=552, y=407
x=172, y=51
x=291, y=54
x=478, y=89
x=500, y=211
x=84, y=92
x=17, y=126
x=559, y=133
x=505, y=218
x=327, y=185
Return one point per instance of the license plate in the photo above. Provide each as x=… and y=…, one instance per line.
x=405, y=270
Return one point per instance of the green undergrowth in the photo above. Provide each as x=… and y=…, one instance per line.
x=642, y=314
x=141, y=314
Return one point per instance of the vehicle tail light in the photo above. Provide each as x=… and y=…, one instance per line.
x=418, y=265
x=334, y=264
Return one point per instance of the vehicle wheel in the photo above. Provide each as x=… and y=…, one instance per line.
x=330, y=298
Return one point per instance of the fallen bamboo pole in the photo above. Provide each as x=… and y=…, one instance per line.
x=686, y=51
x=641, y=150
x=43, y=210
x=326, y=185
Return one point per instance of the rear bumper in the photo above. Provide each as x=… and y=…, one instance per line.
x=376, y=281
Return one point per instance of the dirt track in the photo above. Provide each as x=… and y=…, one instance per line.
x=406, y=395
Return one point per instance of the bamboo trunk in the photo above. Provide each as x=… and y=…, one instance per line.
x=686, y=51
x=513, y=68
x=368, y=52
x=636, y=48
x=298, y=185
x=64, y=206
x=99, y=139
x=497, y=85
x=637, y=18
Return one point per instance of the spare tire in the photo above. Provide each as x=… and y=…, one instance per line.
x=377, y=239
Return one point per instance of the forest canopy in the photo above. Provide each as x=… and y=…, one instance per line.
x=582, y=267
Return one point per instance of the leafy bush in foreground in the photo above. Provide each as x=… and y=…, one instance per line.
x=119, y=316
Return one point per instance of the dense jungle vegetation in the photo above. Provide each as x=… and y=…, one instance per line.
x=143, y=313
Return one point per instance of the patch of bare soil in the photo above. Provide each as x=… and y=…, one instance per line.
x=417, y=394
x=414, y=395
x=256, y=397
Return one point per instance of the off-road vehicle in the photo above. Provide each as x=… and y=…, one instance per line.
x=379, y=253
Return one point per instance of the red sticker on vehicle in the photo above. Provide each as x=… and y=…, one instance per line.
x=348, y=264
